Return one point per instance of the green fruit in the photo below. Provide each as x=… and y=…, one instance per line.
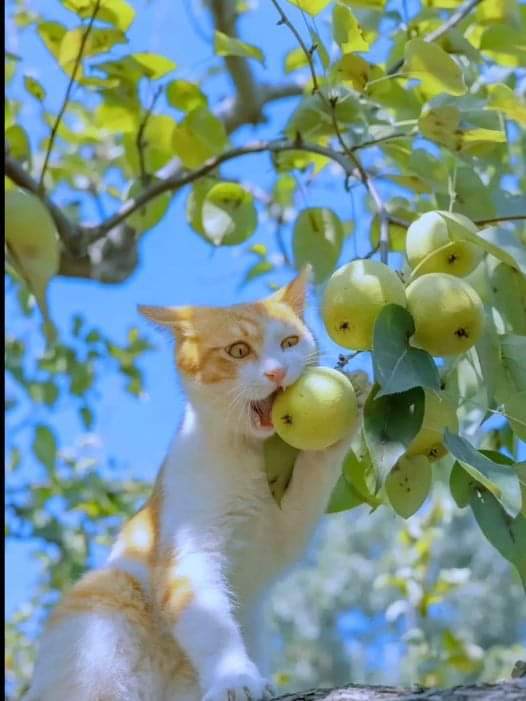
x=448, y=313
x=32, y=242
x=430, y=248
x=316, y=411
x=439, y=414
x=354, y=297
x=408, y=484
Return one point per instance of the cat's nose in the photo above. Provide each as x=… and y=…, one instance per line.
x=276, y=375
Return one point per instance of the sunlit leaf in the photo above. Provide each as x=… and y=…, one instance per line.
x=347, y=31
x=230, y=46
x=228, y=215
x=185, y=95
x=311, y=7
x=198, y=137
x=317, y=240
x=34, y=88
x=501, y=97
x=117, y=12
x=436, y=70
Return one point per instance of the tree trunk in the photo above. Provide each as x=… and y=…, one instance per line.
x=514, y=690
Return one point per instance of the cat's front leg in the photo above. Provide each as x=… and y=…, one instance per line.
x=194, y=597
x=314, y=477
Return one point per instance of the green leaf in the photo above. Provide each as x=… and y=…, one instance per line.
x=504, y=44
x=18, y=141
x=260, y=268
x=117, y=12
x=51, y=34
x=360, y=474
x=150, y=214
x=229, y=216
x=501, y=481
x=343, y=497
x=501, y=97
x=441, y=124
x=508, y=286
x=230, y=46
x=347, y=31
x=513, y=353
x=154, y=66
x=507, y=244
x=506, y=534
x=354, y=70
x=34, y=88
x=198, y=137
x=116, y=118
x=45, y=446
x=157, y=141
x=461, y=485
x=436, y=70
x=515, y=411
x=294, y=60
x=311, y=7
x=407, y=485
x=317, y=240
x=390, y=424
x=398, y=366
x=185, y=96
x=279, y=459
x=195, y=201
x=99, y=41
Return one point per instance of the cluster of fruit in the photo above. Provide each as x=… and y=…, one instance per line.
x=448, y=319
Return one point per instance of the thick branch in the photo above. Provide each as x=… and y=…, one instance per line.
x=455, y=19
x=504, y=691
x=248, y=99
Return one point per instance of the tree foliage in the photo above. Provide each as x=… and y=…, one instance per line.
x=404, y=108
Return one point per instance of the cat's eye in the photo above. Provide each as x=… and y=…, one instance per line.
x=289, y=342
x=238, y=350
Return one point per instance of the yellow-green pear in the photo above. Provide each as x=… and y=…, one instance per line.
x=448, y=314
x=439, y=414
x=430, y=248
x=32, y=242
x=316, y=411
x=408, y=484
x=354, y=296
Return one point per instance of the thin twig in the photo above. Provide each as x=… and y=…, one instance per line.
x=343, y=360
x=283, y=19
x=379, y=140
x=455, y=19
x=140, y=133
x=67, y=95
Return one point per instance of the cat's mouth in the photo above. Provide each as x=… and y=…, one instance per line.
x=261, y=412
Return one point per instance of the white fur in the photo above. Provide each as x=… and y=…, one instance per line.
x=230, y=538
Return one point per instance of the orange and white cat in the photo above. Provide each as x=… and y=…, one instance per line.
x=174, y=615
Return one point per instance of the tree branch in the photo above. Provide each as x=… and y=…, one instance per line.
x=67, y=95
x=248, y=99
x=283, y=19
x=455, y=19
x=513, y=690
x=140, y=132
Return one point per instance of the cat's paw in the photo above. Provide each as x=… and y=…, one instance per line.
x=241, y=685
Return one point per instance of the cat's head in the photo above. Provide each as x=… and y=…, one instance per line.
x=233, y=360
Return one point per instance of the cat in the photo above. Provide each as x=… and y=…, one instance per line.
x=175, y=614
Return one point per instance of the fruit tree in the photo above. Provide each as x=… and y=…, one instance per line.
x=406, y=117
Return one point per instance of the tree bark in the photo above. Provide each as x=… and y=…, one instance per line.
x=514, y=690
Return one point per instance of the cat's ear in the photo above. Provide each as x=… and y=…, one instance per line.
x=177, y=319
x=295, y=292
